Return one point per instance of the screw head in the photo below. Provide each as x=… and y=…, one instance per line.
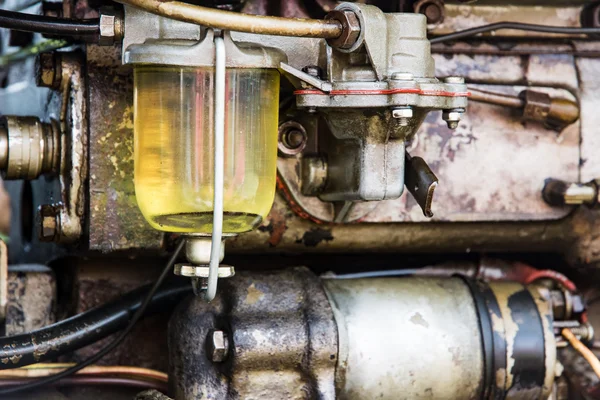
x=217, y=346
x=454, y=79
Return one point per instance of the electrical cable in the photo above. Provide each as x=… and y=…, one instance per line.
x=49, y=25
x=47, y=369
x=109, y=347
x=516, y=26
x=589, y=356
x=79, y=380
x=86, y=328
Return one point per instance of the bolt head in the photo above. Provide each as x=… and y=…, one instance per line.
x=107, y=28
x=217, y=346
x=404, y=112
x=454, y=79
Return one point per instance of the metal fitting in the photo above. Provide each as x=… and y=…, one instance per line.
x=111, y=26
x=28, y=147
x=432, y=9
x=554, y=113
x=292, y=138
x=313, y=175
x=452, y=117
x=198, y=248
x=559, y=193
x=350, y=29
x=217, y=346
x=49, y=223
x=403, y=115
x=48, y=68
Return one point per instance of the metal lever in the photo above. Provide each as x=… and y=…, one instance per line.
x=420, y=181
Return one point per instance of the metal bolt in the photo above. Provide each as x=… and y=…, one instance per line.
x=49, y=227
x=48, y=70
x=313, y=70
x=217, y=346
x=584, y=331
x=292, y=138
x=454, y=79
x=403, y=115
x=452, y=117
x=350, y=29
x=111, y=27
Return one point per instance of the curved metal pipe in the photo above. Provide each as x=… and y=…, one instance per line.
x=227, y=20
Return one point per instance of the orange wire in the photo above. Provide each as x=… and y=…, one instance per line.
x=40, y=370
x=583, y=350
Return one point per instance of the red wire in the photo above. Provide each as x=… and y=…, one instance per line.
x=549, y=274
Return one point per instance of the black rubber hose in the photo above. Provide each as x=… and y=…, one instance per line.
x=49, y=25
x=514, y=25
x=86, y=328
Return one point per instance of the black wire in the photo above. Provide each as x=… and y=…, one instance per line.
x=49, y=25
x=514, y=25
x=88, y=327
x=109, y=347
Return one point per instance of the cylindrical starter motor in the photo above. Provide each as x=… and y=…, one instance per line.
x=392, y=338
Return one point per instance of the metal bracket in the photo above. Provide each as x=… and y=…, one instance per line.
x=306, y=78
x=420, y=182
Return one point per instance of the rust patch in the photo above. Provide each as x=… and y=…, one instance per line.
x=253, y=295
x=276, y=228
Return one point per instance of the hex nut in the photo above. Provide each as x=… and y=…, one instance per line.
x=404, y=112
x=350, y=29
x=217, y=346
x=452, y=117
x=110, y=27
x=49, y=225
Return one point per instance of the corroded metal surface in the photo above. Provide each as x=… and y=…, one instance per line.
x=282, y=340
x=31, y=299
x=115, y=220
x=464, y=16
x=98, y=281
x=395, y=334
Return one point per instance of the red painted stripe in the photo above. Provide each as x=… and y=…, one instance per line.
x=441, y=93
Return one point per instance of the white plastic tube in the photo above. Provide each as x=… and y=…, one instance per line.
x=219, y=132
